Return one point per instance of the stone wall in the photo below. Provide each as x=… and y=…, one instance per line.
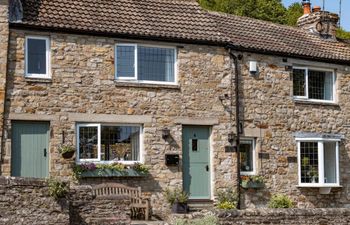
x=27, y=201
x=286, y=216
x=4, y=38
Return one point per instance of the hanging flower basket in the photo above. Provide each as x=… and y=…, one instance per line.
x=67, y=151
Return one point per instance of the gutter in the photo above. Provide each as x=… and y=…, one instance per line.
x=237, y=110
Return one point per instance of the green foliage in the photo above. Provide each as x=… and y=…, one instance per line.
x=175, y=196
x=280, y=201
x=207, y=220
x=65, y=148
x=293, y=13
x=115, y=166
x=57, y=189
x=227, y=199
x=140, y=168
x=342, y=34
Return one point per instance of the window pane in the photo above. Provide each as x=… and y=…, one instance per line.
x=120, y=143
x=246, y=152
x=320, y=85
x=330, y=165
x=88, y=139
x=36, y=56
x=156, y=64
x=125, y=61
x=309, y=162
x=299, y=82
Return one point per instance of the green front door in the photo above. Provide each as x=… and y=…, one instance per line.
x=30, y=149
x=196, y=164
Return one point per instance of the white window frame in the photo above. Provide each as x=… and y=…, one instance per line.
x=246, y=173
x=48, y=60
x=306, y=97
x=99, y=130
x=135, y=78
x=321, y=172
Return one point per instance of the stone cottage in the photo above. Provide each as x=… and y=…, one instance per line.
x=155, y=82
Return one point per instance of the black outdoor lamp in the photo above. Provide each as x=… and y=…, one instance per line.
x=231, y=138
x=165, y=133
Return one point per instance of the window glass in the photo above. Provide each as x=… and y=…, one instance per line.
x=126, y=61
x=330, y=163
x=156, y=64
x=309, y=162
x=299, y=82
x=36, y=61
x=320, y=85
x=246, y=153
x=88, y=142
x=120, y=143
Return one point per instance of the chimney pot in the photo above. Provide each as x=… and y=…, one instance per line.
x=316, y=9
x=307, y=7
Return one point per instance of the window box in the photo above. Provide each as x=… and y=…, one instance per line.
x=112, y=173
x=314, y=84
x=254, y=182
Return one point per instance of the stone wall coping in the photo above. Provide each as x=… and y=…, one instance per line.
x=21, y=181
x=284, y=212
x=197, y=121
x=112, y=197
x=109, y=118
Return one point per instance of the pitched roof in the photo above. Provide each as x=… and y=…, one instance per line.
x=178, y=20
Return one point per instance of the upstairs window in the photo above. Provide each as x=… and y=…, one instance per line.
x=318, y=162
x=247, y=154
x=145, y=63
x=37, y=57
x=314, y=84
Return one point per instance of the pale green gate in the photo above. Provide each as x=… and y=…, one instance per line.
x=30, y=149
x=196, y=163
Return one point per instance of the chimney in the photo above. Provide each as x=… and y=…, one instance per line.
x=322, y=23
x=307, y=7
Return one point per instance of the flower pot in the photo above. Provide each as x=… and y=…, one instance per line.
x=179, y=208
x=68, y=155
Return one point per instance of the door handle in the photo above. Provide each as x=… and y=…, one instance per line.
x=207, y=167
x=45, y=152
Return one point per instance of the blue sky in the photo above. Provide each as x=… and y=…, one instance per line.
x=332, y=6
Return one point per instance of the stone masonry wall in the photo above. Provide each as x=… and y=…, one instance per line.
x=27, y=201
x=82, y=89
x=4, y=34
x=286, y=216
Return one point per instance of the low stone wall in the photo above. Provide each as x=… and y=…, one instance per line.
x=27, y=201
x=329, y=216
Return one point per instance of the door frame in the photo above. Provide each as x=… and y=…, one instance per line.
x=49, y=122
x=211, y=179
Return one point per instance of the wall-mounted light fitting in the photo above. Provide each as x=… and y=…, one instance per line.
x=253, y=68
x=165, y=133
x=231, y=137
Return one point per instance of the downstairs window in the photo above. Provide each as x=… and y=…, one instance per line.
x=117, y=143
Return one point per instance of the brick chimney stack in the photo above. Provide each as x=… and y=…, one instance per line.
x=318, y=22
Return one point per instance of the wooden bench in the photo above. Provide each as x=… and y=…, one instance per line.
x=138, y=204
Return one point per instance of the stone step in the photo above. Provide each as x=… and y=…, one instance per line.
x=143, y=222
x=200, y=205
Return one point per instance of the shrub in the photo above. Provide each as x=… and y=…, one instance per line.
x=207, y=220
x=280, y=201
x=140, y=168
x=176, y=196
x=227, y=199
x=57, y=189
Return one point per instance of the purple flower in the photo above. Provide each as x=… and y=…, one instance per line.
x=88, y=166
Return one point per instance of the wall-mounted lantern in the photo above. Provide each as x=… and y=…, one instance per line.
x=231, y=138
x=165, y=133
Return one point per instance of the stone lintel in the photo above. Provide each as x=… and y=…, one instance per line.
x=33, y=117
x=197, y=121
x=109, y=118
x=318, y=135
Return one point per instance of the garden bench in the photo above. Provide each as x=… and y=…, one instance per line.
x=138, y=204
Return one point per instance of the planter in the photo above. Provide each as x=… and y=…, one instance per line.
x=251, y=184
x=180, y=208
x=68, y=155
x=112, y=173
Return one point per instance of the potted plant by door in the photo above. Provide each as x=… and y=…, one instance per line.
x=67, y=151
x=178, y=200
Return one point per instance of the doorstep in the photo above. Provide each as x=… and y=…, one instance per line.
x=200, y=204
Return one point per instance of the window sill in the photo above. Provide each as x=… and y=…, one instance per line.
x=320, y=186
x=310, y=102
x=38, y=80
x=120, y=83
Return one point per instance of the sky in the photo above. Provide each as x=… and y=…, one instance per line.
x=332, y=6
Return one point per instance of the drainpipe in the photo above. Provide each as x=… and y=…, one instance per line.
x=235, y=61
